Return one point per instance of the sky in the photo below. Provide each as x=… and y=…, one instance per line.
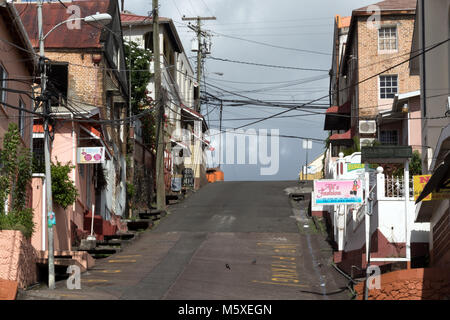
x=295, y=25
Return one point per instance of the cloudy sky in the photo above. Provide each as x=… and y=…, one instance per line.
x=294, y=25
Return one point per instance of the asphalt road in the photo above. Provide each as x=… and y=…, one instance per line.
x=230, y=240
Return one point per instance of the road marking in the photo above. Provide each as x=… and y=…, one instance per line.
x=71, y=295
x=130, y=256
x=122, y=261
x=282, y=284
x=277, y=244
x=94, y=280
x=109, y=271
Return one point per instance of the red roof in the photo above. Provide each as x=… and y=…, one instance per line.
x=342, y=136
x=344, y=109
x=131, y=18
x=88, y=36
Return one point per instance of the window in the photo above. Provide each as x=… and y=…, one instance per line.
x=4, y=83
x=21, y=118
x=38, y=155
x=389, y=137
x=388, y=86
x=387, y=39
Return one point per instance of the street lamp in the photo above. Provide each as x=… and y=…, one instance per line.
x=102, y=18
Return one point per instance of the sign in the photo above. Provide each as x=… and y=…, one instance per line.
x=419, y=184
x=337, y=191
x=90, y=155
x=307, y=144
x=355, y=166
x=188, y=177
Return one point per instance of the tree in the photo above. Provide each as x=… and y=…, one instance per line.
x=15, y=177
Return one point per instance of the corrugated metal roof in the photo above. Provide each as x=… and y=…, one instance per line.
x=131, y=18
x=88, y=36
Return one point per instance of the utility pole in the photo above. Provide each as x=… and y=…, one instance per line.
x=160, y=182
x=220, y=133
x=48, y=176
x=130, y=114
x=200, y=33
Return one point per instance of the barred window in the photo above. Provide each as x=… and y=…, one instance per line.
x=389, y=137
x=387, y=39
x=388, y=86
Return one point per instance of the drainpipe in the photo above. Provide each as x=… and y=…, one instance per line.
x=424, y=73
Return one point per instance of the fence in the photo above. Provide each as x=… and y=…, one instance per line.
x=394, y=187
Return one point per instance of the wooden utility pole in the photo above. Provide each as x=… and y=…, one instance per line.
x=160, y=183
x=198, y=30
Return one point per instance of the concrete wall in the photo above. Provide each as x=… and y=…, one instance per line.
x=17, y=258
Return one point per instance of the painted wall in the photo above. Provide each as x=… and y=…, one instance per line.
x=17, y=258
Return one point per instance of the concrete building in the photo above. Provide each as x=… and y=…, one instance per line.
x=432, y=28
x=89, y=90
x=184, y=127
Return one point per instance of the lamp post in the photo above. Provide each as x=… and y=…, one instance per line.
x=103, y=18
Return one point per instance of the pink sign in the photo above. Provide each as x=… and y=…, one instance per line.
x=337, y=191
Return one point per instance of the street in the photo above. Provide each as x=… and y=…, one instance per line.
x=229, y=240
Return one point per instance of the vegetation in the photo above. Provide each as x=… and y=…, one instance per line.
x=15, y=177
x=415, y=166
x=63, y=191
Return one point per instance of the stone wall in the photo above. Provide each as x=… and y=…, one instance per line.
x=411, y=284
x=17, y=258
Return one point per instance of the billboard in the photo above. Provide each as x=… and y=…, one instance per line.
x=330, y=192
x=419, y=184
x=90, y=155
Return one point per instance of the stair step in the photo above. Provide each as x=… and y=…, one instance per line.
x=124, y=236
x=142, y=224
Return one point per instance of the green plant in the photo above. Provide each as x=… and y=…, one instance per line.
x=130, y=190
x=415, y=166
x=63, y=191
x=15, y=176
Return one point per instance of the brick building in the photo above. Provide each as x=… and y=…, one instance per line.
x=376, y=41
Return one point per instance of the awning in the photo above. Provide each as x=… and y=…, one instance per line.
x=183, y=146
x=337, y=117
x=342, y=138
x=439, y=180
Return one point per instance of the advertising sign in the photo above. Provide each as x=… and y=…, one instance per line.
x=90, y=155
x=329, y=192
x=419, y=184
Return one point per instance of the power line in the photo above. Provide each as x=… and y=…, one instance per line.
x=267, y=65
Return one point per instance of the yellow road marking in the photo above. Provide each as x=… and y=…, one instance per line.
x=284, y=258
x=124, y=261
x=276, y=244
x=71, y=295
x=130, y=256
x=282, y=284
x=94, y=280
x=109, y=271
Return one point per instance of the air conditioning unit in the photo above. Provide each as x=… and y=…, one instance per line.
x=367, y=126
x=448, y=106
x=366, y=142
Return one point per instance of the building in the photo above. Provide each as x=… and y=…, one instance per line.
x=185, y=163
x=17, y=70
x=89, y=88
x=375, y=100
x=432, y=31
x=370, y=72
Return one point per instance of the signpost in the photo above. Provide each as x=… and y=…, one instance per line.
x=419, y=184
x=88, y=155
x=307, y=145
x=335, y=192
